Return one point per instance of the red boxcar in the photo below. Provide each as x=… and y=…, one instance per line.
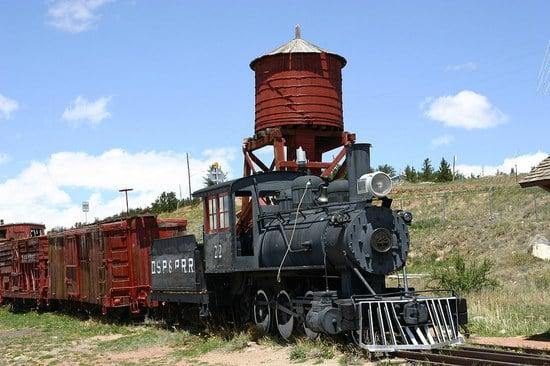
x=107, y=265
x=24, y=269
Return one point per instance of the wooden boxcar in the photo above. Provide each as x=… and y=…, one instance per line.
x=105, y=265
x=24, y=269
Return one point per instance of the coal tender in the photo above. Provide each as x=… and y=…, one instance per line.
x=294, y=254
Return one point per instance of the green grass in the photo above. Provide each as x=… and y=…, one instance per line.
x=317, y=350
x=516, y=312
x=37, y=338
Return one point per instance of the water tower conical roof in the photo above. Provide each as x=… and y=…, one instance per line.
x=297, y=45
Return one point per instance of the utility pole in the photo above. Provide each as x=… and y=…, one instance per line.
x=178, y=205
x=126, y=190
x=454, y=164
x=188, y=174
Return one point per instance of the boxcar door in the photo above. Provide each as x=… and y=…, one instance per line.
x=71, y=266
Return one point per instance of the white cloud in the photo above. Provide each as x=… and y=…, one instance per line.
x=468, y=66
x=7, y=107
x=442, y=140
x=42, y=191
x=74, y=16
x=524, y=164
x=85, y=111
x=4, y=158
x=466, y=109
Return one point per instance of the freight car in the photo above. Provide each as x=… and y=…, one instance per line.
x=104, y=266
x=292, y=252
x=20, y=230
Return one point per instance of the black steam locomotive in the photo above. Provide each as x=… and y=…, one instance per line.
x=294, y=253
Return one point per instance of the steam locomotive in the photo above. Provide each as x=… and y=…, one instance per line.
x=296, y=254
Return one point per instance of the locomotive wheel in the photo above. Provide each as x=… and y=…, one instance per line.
x=309, y=333
x=262, y=311
x=284, y=320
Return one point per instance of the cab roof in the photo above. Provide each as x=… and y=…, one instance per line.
x=262, y=179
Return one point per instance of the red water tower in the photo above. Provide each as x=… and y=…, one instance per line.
x=298, y=108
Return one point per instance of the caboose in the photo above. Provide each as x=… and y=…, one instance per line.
x=20, y=230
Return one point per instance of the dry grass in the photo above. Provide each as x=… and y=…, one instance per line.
x=193, y=214
x=499, y=229
x=510, y=311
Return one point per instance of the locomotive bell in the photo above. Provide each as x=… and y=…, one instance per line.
x=323, y=194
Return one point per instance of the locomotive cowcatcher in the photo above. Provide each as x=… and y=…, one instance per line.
x=294, y=253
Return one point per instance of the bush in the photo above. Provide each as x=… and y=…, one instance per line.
x=298, y=353
x=462, y=277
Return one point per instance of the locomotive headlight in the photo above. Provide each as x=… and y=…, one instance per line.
x=406, y=216
x=381, y=240
x=378, y=184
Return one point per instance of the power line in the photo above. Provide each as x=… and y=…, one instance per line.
x=543, y=84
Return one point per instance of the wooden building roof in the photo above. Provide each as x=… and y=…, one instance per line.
x=540, y=176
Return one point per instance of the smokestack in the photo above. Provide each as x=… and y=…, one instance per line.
x=358, y=161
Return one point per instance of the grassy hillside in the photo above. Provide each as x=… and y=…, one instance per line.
x=490, y=218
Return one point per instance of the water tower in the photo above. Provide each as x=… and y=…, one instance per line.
x=298, y=109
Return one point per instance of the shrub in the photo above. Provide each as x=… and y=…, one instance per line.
x=463, y=277
x=298, y=353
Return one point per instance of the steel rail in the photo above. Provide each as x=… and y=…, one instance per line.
x=474, y=355
x=508, y=349
x=501, y=356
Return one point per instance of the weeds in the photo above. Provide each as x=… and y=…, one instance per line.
x=317, y=350
x=463, y=277
x=519, y=311
x=298, y=353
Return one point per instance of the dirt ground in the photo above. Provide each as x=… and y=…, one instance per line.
x=522, y=342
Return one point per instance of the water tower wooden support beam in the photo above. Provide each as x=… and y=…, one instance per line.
x=291, y=140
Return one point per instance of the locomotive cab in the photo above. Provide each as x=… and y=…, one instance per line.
x=229, y=228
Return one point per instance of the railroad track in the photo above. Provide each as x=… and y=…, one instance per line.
x=476, y=356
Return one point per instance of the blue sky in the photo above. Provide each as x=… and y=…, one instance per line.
x=97, y=94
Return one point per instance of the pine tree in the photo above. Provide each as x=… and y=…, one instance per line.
x=410, y=174
x=444, y=174
x=427, y=173
x=166, y=202
x=386, y=168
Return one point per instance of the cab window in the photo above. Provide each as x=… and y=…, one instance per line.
x=217, y=212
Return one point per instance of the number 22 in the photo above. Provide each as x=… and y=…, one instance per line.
x=217, y=251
